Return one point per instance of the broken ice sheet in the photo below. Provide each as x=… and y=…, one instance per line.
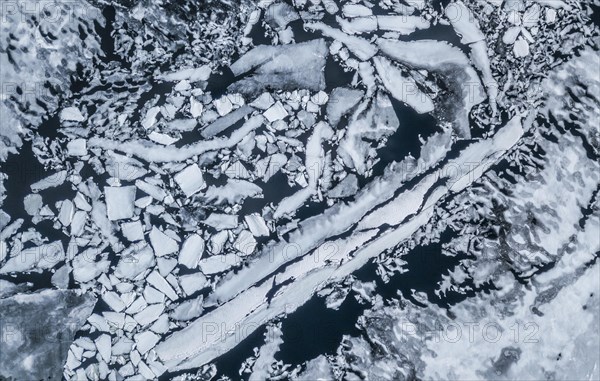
x=265, y=155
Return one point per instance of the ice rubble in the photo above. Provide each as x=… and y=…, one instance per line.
x=176, y=201
x=156, y=153
x=248, y=307
x=286, y=67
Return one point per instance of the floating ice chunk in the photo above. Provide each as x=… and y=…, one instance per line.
x=81, y=202
x=356, y=10
x=218, y=241
x=133, y=231
x=223, y=105
x=67, y=210
x=149, y=119
x=521, y=48
x=51, y=181
x=218, y=263
x=245, y=243
x=271, y=165
x=182, y=86
x=161, y=138
x=237, y=170
x=481, y=60
x=191, y=251
x=156, y=153
x=511, y=34
x=88, y=265
x=379, y=120
x=275, y=112
x=162, y=243
x=464, y=22
x=358, y=25
x=402, y=24
x=315, y=162
x=266, y=354
x=192, y=283
x=196, y=107
x=127, y=370
x=234, y=191
x=71, y=114
x=188, y=310
x=424, y=54
x=550, y=15
x=103, y=343
x=135, y=262
x=320, y=98
x=120, y=202
x=38, y=329
x=99, y=323
x=35, y=258
x=33, y=203
x=114, y=319
x=201, y=73
x=315, y=369
x=123, y=167
x=556, y=4
x=225, y=122
x=221, y=221
x=256, y=224
x=166, y=265
x=146, y=341
x=279, y=15
x=162, y=285
x=60, y=279
x=330, y=6
x=190, y=180
x=114, y=301
x=161, y=325
x=284, y=67
x=402, y=87
x=156, y=192
x=263, y=102
x=137, y=305
x=149, y=314
x=360, y=47
x=341, y=101
x=449, y=61
x=77, y=147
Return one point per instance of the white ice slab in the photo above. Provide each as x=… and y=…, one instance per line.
x=120, y=202
x=256, y=224
x=190, y=180
x=77, y=147
x=245, y=243
x=133, y=231
x=162, y=243
x=221, y=221
x=191, y=251
x=161, y=284
x=71, y=114
x=275, y=112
